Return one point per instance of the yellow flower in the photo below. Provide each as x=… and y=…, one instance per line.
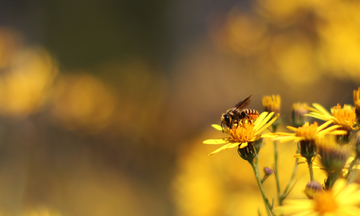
x=342, y=199
x=318, y=165
x=246, y=131
x=272, y=103
x=333, y=156
x=309, y=132
x=345, y=116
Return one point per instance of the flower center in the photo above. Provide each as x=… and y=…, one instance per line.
x=325, y=202
x=346, y=115
x=307, y=131
x=244, y=132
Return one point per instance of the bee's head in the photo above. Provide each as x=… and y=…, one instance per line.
x=225, y=119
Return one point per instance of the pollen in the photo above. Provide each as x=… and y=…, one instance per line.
x=346, y=115
x=325, y=202
x=307, y=131
x=244, y=132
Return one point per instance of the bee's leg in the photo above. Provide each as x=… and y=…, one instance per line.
x=237, y=120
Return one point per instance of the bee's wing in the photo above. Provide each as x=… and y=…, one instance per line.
x=243, y=104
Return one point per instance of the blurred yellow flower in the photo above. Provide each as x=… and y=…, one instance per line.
x=345, y=116
x=27, y=84
x=342, y=199
x=309, y=132
x=41, y=211
x=272, y=103
x=246, y=131
x=82, y=103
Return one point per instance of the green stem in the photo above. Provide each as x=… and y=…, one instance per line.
x=351, y=171
x=264, y=178
x=268, y=207
x=276, y=173
x=309, y=162
x=286, y=191
x=332, y=177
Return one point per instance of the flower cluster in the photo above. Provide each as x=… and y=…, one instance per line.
x=333, y=146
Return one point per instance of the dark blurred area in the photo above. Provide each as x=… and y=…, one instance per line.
x=104, y=104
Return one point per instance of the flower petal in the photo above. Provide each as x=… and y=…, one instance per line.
x=261, y=117
x=338, y=186
x=217, y=127
x=217, y=141
x=321, y=109
x=292, y=128
x=228, y=146
x=260, y=129
x=324, y=125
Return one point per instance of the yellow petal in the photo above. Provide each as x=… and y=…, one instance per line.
x=338, y=186
x=217, y=127
x=291, y=128
x=321, y=109
x=268, y=135
x=324, y=125
x=332, y=128
x=288, y=139
x=243, y=145
x=284, y=134
x=217, y=141
x=317, y=116
x=265, y=120
x=260, y=118
x=268, y=124
x=228, y=146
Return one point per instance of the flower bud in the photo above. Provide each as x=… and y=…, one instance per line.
x=268, y=171
x=248, y=152
x=333, y=155
x=312, y=188
x=298, y=112
x=308, y=149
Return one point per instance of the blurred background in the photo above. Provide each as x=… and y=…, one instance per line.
x=104, y=104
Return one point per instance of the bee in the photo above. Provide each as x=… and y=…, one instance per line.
x=234, y=115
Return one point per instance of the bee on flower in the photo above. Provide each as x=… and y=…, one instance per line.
x=244, y=133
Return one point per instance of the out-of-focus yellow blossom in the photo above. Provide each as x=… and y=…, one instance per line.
x=41, y=211
x=272, y=103
x=309, y=132
x=82, y=103
x=27, y=84
x=342, y=199
x=318, y=165
x=242, y=34
x=345, y=116
x=245, y=132
x=293, y=52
